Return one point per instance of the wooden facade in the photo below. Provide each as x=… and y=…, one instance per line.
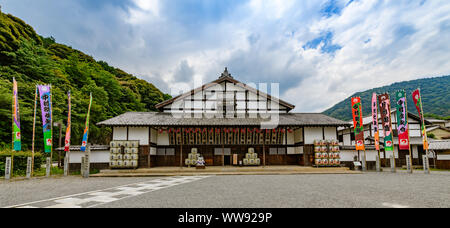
x=222, y=120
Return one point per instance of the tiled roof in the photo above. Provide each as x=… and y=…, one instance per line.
x=440, y=145
x=167, y=120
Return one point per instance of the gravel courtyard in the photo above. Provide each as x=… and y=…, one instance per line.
x=384, y=190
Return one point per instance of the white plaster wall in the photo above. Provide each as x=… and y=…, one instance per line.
x=299, y=150
x=120, y=133
x=290, y=138
x=330, y=133
x=298, y=135
x=291, y=150
x=140, y=134
x=163, y=139
x=347, y=155
x=415, y=151
x=313, y=133
x=152, y=150
x=347, y=140
x=443, y=157
x=96, y=156
x=154, y=136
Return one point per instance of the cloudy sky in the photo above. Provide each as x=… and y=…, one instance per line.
x=320, y=51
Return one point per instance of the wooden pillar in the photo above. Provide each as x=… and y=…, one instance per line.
x=223, y=151
x=149, y=147
x=264, y=150
x=181, y=149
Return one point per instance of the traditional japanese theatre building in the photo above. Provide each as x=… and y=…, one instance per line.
x=224, y=133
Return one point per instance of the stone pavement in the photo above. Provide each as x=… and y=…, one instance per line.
x=227, y=170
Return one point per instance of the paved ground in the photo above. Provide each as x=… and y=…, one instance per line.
x=362, y=190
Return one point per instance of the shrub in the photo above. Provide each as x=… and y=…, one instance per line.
x=20, y=161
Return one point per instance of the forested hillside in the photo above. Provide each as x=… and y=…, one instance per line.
x=435, y=95
x=32, y=60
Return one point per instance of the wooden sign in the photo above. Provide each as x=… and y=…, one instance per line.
x=426, y=164
x=86, y=166
x=28, y=172
x=66, y=165
x=8, y=168
x=393, y=164
x=378, y=164
x=408, y=164
x=48, y=167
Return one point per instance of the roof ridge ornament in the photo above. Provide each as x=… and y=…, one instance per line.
x=226, y=74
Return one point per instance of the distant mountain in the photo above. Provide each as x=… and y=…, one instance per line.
x=32, y=60
x=435, y=95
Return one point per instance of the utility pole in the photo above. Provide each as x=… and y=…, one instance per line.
x=60, y=125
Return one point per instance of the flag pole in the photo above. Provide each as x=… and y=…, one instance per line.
x=34, y=131
x=51, y=123
x=409, y=137
x=70, y=128
x=424, y=127
x=12, y=129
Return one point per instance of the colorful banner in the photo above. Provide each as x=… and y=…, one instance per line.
x=417, y=98
x=46, y=110
x=358, y=123
x=385, y=110
x=69, y=122
x=86, y=130
x=402, y=121
x=16, y=119
x=375, y=121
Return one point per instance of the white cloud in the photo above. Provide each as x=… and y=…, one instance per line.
x=381, y=42
x=146, y=10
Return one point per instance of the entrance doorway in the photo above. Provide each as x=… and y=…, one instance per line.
x=227, y=160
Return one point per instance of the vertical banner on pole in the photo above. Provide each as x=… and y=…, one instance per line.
x=417, y=98
x=34, y=130
x=385, y=110
x=46, y=110
x=86, y=129
x=29, y=166
x=402, y=121
x=376, y=130
x=16, y=119
x=68, y=135
x=358, y=123
x=8, y=168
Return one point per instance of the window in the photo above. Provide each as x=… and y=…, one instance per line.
x=218, y=151
x=161, y=152
x=170, y=152
x=352, y=136
x=273, y=151
x=341, y=138
x=281, y=151
x=165, y=152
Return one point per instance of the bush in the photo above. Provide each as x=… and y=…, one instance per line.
x=20, y=161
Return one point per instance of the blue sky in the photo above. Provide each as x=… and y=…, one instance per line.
x=320, y=51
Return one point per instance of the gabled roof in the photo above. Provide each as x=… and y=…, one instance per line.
x=225, y=77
